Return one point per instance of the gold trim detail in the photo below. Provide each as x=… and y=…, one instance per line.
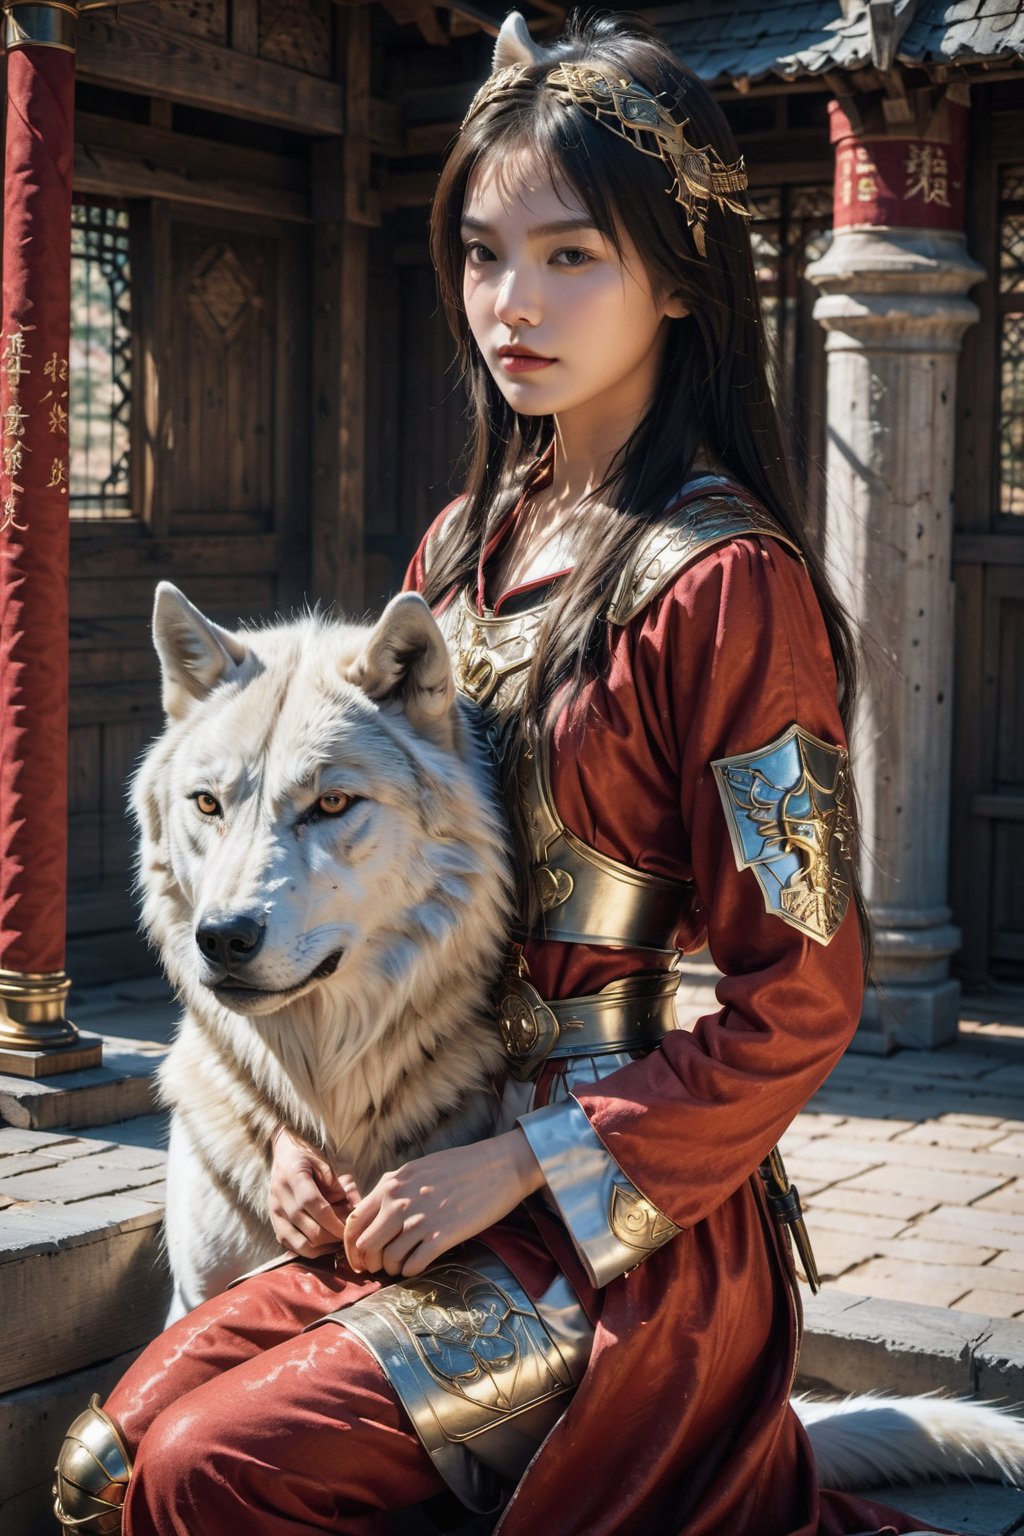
x=699, y=174
x=636, y=1222
x=633, y=1014
x=651, y=124
x=524, y=1021
x=784, y=1202
x=92, y=1474
x=584, y=896
x=473, y=1331
x=492, y=653
x=480, y=1368
x=40, y=24
x=787, y=805
x=683, y=537
x=554, y=886
x=32, y=1010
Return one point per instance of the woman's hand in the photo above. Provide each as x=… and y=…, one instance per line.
x=426, y=1207
x=308, y=1200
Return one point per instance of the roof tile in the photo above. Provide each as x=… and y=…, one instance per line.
x=755, y=38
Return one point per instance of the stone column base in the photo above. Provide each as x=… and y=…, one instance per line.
x=916, y=1017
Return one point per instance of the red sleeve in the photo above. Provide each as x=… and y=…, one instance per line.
x=730, y=657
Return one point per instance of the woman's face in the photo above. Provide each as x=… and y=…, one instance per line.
x=564, y=322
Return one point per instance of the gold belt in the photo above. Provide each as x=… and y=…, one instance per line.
x=629, y=1015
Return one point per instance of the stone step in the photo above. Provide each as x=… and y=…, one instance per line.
x=971, y=1509
x=867, y=1344
x=33, y=1422
x=135, y=1021
x=82, y=1273
x=120, y=1089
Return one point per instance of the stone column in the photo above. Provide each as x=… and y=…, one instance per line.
x=893, y=301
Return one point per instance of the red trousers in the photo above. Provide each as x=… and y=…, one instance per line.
x=243, y=1425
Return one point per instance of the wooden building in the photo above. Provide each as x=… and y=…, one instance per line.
x=266, y=409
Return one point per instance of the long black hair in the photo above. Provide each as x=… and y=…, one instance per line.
x=713, y=397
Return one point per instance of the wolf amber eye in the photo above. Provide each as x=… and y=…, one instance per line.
x=333, y=803
x=206, y=803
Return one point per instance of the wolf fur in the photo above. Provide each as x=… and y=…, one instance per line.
x=870, y=1439
x=363, y=1019
x=360, y=1019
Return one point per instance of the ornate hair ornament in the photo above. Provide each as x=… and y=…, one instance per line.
x=699, y=174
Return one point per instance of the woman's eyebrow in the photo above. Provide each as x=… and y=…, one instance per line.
x=539, y=231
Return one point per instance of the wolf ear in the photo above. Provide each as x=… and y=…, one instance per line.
x=515, y=45
x=406, y=659
x=195, y=654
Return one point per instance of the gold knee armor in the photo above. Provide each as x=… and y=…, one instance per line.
x=92, y=1474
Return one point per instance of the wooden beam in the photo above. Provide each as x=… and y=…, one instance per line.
x=133, y=55
x=133, y=552
x=190, y=153
x=410, y=189
x=429, y=138
x=133, y=160
x=114, y=173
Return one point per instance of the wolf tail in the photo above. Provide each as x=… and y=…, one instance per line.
x=866, y=1440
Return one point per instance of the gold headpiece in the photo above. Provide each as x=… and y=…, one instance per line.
x=699, y=175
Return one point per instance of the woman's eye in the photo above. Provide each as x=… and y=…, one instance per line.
x=333, y=803
x=476, y=253
x=574, y=257
x=206, y=803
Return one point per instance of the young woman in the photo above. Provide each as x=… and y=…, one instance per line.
x=629, y=593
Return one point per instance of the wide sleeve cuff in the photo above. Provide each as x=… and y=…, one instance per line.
x=612, y=1225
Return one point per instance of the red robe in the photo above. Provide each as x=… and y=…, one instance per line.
x=681, y=1424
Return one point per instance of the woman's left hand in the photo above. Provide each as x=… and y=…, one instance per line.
x=426, y=1207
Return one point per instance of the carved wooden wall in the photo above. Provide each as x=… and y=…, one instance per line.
x=415, y=403
x=222, y=376
x=199, y=18
x=297, y=33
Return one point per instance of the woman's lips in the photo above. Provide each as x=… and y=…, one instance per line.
x=524, y=362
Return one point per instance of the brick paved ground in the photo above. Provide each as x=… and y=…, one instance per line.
x=911, y=1169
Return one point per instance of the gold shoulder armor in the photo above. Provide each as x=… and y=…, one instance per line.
x=680, y=538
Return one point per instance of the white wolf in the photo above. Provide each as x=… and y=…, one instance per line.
x=325, y=874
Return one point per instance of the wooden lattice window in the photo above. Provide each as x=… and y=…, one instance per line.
x=1011, y=343
x=101, y=362
x=791, y=228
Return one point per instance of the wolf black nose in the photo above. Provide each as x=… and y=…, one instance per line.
x=229, y=939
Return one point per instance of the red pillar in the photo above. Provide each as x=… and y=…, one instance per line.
x=34, y=537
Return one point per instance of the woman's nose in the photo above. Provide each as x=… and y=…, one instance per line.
x=517, y=301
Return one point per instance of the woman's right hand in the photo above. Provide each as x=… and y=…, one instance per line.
x=309, y=1202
